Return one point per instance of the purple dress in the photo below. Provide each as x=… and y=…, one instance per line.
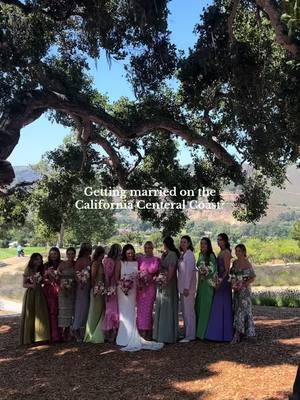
x=220, y=325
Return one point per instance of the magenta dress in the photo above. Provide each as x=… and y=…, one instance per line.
x=146, y=295
x=111, y=318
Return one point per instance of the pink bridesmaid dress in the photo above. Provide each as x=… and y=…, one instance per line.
x=111, y=318
x=146, y=295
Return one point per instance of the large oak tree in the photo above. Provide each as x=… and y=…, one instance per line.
x=236, y=109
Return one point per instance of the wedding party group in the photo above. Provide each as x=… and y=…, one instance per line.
x=133, y=300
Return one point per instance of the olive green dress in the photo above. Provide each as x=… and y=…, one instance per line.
x=66, y=297
x=204, y=298
x=93, y=330
x=166, y=308
x=35, y=326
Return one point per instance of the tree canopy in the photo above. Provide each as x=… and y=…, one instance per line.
x=236, y=107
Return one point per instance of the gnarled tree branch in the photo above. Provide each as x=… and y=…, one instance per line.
x=272, y=9
x=39, y=101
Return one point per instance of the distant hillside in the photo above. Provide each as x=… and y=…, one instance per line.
x=25, y=174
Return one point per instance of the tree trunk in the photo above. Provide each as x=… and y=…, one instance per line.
x=61, y=235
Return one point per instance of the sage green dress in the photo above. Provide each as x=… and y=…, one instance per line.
x=35, y=326
x=66, y=298
x=93, y=330
x=204, y=297
x=166, y=308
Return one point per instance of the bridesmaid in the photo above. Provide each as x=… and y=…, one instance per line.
x=111, y=264
x=205, y=289
x=220, y=325
x=149, y=265
x=166, y=308
x=66, y=272
x=82, y=296
x=51, y=289
x=34, y=318
x=187, y=287
x=93, y=330
x=243, y=322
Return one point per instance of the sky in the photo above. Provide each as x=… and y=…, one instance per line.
x=42, y=135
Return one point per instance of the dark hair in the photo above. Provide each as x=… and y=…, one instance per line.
x=189, y=240
x=71, y=249
x=115, y=251
x=50, y=262
x=242, y=247
x=34, y=256
x=225, y=238
x=127, y=247
x=169, y=242
x=99, y=250
x=85, y=249
x=209, y=249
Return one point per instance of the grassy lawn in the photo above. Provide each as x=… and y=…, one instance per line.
x=6, y=253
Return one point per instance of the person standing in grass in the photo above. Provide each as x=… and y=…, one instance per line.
x=187, y=287
x=242, y=275
x=34, y=318
x=66, y=272
x=111, y=265
x=51, y=290
x=148, y=266
x=207, y=266
x=220, y=325
x=166, y=307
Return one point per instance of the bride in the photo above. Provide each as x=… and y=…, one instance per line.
x=128, y=335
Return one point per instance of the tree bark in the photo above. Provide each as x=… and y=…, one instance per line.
x=61, y=235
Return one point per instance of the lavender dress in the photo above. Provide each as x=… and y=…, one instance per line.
x=220, y=325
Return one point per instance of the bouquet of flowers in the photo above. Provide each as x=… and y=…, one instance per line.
x=126, y=283
x=161, y=279
x=66, y=283
x=36, y=278
x=204, y=270
x=237, y=280
x=99, y=289
x=51, y=275
x=143, y=279
x=110, y=291
x=215, y=281
x=83, y=276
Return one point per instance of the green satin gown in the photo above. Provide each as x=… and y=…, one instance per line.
x=93, y=330
x=204, y=298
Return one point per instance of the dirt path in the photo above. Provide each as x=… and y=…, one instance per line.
x=262, y=370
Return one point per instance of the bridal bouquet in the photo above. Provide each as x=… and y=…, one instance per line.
x=126, y=283
x=215, y=281
x=83, y=276
x=66, y=283
x=161, y=279
x=204, y=270
x=143, y=279
x=237, y=280
x=51, y=275
x=36, y=278
x=99, y=289
x=110, y=291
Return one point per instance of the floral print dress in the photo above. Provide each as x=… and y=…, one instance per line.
x=243, y=321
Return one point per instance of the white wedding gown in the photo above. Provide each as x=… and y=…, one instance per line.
x=128, y=335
